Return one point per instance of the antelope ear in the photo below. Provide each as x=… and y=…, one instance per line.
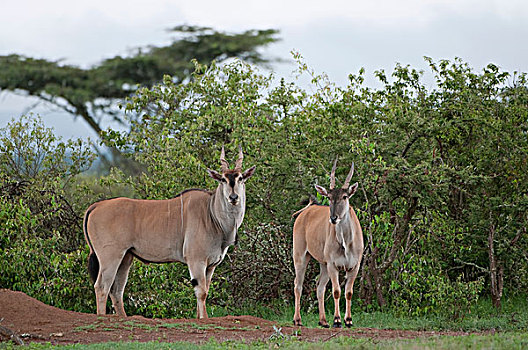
x=248, y=173
x=215, y=175
x=322, y=191
x=352, y=189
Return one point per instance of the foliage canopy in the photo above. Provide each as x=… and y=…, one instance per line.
x=443, y=194
x=93, y=93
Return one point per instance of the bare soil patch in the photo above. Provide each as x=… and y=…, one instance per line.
x=34, y=321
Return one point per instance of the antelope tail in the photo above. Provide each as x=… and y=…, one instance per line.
x=93, y=266
x=93, y=262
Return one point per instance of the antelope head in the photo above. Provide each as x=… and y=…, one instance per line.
x=338, y=197
x=232, y=181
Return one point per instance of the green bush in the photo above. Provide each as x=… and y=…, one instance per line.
x=41, y=241
x=442, y=172
x=415, y=151
x=424, y=289
x=36, y=173
x=162, y=290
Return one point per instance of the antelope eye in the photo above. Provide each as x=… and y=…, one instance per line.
x=224, y=180
x=345, y=197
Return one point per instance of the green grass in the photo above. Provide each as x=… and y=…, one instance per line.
x=508, y=340
x=483, y=317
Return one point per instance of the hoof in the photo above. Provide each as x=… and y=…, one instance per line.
x=297, y=323
x=337, y=324
x=324, y=325
x=348, y=322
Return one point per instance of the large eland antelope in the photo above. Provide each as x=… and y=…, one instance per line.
x=196, y=228
x=332, y=235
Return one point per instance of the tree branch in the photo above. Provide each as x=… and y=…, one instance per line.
x=12, y=335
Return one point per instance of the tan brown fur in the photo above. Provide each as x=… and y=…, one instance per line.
x=194, y=228
x=331, y=235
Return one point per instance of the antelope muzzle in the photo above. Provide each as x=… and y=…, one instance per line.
x=233, y=198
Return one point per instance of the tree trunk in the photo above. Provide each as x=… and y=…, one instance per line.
x=495, y=271
x=371, y=281
x=375, y=270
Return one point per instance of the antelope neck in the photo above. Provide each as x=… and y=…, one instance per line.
x=344, y=226
x=226, y=217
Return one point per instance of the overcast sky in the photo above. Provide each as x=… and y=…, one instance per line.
x=336, y=37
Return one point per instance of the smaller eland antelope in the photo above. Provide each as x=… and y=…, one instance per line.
x=332, y=236
x=196, y=228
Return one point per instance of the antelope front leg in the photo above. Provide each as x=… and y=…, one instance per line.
x=209, y=276
x=199, y=282
x=349, y=289
x=336, y=290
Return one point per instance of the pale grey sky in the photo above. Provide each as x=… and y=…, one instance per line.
x=336, y=37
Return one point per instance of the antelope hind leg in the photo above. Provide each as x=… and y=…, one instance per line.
x=321, y=288
x=349, y=290
x=116, y=292
x=105, y=279
x=300, y=262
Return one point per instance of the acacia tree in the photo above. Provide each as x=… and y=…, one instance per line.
x=94, y=92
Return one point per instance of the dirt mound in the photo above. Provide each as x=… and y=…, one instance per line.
x=18, y=306
x=34, y=321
